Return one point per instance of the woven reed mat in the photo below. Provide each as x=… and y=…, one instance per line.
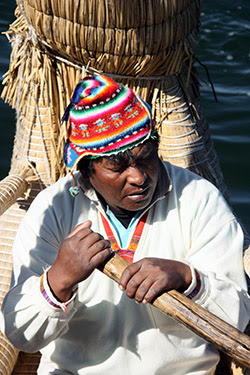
x=9, y=223
x=8, y=356
x=27, y=364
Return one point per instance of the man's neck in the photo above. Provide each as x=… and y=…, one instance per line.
x=124, y=216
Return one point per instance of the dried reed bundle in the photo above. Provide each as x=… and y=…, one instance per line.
x=127, y=37
x=33, y=89
x=11, y=188
x=15, y=186
x=45, y=83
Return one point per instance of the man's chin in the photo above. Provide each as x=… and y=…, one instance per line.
x=135, y=203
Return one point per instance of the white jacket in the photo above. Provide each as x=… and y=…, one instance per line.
x=104, y=332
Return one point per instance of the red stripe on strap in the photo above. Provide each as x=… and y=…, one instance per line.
x=129, y=252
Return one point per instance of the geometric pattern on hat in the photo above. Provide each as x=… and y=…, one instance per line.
x=105, y=118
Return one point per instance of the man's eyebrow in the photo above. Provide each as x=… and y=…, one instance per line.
x=144, y=155
x=116, y=163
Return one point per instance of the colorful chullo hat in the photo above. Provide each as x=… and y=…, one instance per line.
x=105, y=118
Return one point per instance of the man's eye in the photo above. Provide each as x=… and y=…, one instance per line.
x=116, y=169
x=145, y=161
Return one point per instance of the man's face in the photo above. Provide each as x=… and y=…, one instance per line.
x=128, y=185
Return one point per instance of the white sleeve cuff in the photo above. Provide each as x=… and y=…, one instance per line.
x=197, y=285
x=48, y=295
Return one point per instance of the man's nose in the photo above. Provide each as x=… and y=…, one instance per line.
x=136, y=175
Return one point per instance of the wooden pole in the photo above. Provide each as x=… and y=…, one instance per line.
x=206, y=325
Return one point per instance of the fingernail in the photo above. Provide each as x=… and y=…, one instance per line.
x=121, y=287
x=144, y=301
x=138, y=303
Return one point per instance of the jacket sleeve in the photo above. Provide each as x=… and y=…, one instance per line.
x=216, y=251
x=27, y=319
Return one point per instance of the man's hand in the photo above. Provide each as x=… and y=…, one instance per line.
x=79, y=254
x=145, y=279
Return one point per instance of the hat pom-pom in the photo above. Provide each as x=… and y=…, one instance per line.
x=74, y=191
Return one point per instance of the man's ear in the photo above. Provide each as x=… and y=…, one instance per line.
x=85, y=174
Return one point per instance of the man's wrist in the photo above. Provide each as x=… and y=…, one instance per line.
x=186, y=276
x=59, y=291
x=50, y=298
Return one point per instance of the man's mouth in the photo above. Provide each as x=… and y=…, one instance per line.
x=139, y=194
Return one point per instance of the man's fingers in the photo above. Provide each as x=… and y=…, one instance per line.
x=99, y=257
x=144, y=280
x=92, y=241
x=143, y=289
x=98, y=246
x=154, y=290
x=98, y=253
x=138, y=286
x=127, y=274
x=78, y=228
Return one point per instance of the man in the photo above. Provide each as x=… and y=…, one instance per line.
x=173, y=226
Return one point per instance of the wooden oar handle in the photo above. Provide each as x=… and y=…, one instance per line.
x=206, y=325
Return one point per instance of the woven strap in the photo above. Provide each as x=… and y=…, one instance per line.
x=129, y=252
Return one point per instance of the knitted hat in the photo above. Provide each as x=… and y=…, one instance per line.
x=105, y=118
